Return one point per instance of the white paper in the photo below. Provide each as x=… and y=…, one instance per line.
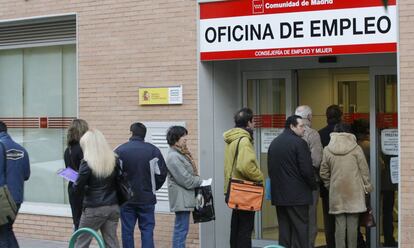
x=267, y=135
x=394, y=170
x=389, y=141
x=206, y=182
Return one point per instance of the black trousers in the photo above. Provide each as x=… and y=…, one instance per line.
x=242, y=224
x=387, y=217
x=75, y=201
x=328, y=220
x=293, y=226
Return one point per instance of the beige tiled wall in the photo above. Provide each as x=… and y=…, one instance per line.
x=124, y=45
x=406, y=66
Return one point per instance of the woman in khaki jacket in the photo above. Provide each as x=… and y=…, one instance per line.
x=344, y=171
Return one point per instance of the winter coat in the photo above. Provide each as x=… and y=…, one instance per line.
x=18, y=167
x=344, y=171
x=325, y=134
x=312, y=138
x=138, y=157
x=97, y=191
x=246, y=167
x=181, y=182
x=290, y=168
x=73, y=156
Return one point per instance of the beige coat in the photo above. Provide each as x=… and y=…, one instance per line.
x=344, y=171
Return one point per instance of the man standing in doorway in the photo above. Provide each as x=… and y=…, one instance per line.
x=146, y=171
x=15, y=160
x=246, y=168
x=312, y=138
x=333, y=117
x=292, y=181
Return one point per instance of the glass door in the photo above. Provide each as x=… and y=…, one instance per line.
x=386, y=152
x=269, y=95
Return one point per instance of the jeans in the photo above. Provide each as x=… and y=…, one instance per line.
x=103, y=218
x=130, y=213
x=242, y=224
x=181, y=225
x=7, y=237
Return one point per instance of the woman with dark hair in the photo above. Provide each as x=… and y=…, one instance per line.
x=73, y=156
x=345, y=173
x=182, y=179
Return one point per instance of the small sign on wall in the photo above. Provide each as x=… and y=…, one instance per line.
x=160, y=96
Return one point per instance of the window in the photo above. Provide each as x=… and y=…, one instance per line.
x=38, y=98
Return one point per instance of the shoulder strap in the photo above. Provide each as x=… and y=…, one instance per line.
x=5, y=162
x=235, y=157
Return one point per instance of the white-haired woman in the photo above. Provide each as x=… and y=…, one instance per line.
x=97, y=178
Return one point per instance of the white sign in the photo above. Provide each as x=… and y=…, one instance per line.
x=267, y=135
x=389, y=141
x=394, y=170
x=275, y=30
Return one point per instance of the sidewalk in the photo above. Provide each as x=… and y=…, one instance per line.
x=36, y=243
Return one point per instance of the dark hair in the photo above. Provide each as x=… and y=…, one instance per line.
x=292, y=120
x=3, y=127
x=174, y=133
x=76, y=130
x=360, y=127
x=242, y=117
x=333, y=114
x=138, y=129
x=342, y=128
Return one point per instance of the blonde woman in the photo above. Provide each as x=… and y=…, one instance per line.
x=97, y=175
x=73, y=157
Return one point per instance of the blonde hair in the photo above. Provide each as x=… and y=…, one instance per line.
x=98, y=154
x=76, y=129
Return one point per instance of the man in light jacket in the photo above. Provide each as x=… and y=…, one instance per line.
x=246, y=168
x=292, y=181
x=312, y=138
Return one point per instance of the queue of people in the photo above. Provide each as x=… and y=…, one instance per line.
x=303, y=164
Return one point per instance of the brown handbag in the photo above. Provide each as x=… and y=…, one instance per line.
x=366, y=219
x=243, y=194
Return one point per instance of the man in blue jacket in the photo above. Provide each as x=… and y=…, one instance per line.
x=18, y=170
x=146, y=171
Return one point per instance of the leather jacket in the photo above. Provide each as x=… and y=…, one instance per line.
x=98, y=191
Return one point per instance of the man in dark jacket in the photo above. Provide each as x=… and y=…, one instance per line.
x=17, y=165
x=292, y=181
x=333, y=117
x=146, y=170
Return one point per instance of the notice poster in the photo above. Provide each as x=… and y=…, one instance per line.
x=161, y=96
x=395, y=170
x=267, y=135
x=389, y=141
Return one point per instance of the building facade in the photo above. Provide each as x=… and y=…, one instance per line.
x=92, y=59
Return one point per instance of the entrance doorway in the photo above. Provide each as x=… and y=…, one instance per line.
x=363, y=93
